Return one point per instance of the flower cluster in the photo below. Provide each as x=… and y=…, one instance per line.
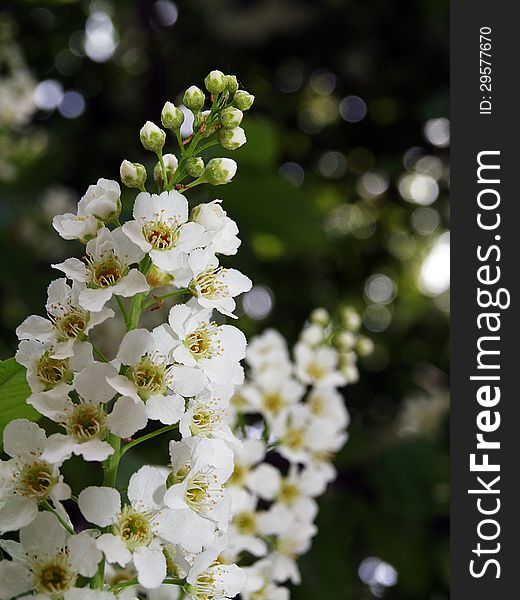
x=291, y=419
x=166, y=528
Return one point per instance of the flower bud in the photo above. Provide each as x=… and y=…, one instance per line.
x=171, y=116
x=243, y=100
x=195, y=166
x=231, y=139
x=231, y=84
x=205, y=128
x=320, y=316
x=152, y=137
x=215, y=82
x=133, y=175
x=170, y=164
x=103, y=200
x=220, y=171
x=365, y=346
x=194, y=98
x=231, y=117
x=351, y=318
x=157, y=278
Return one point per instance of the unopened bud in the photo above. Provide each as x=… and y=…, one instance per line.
x=152, y=137
x=231, y=139
x=243, y=100
x=320, y=316
x=133, y=175
x=171, y=116
x=170, y=164
x=194, y=98
x=215, y=82
x=195, y=166
x=220, y=171
x=231, y=84
x=157, y=278
x=231, y=117
x=365, y=346
x=351, y=318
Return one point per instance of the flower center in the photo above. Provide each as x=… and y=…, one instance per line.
x=245, y=522
x=208, y=587
x=289, y=492
x=273, y=402
x=179, y=476
x=315, y=370
x=203, y=492
x=210, y=285
x=206, y=418
x=55, y=576
x=86, y=422
x=294, y=438
x=316, y=405
x=51, y=371
x=202, y=343
x=107, y=271
x=149, y=377
x=160, y=235
x=36, y=480
x=134, y=528
x=71, y=324
x=239, y=474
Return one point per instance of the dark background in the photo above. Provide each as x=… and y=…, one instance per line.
x=314, y=231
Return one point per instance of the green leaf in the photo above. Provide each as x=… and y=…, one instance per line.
x=14, y=391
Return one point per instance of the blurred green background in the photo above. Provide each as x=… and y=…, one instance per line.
x=341, y=198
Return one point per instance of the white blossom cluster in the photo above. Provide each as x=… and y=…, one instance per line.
x=292, y=420
x=167, y=526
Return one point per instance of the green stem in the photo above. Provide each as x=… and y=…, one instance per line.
x=146, y=437
x=163, y=170
x=99, y=354
x=119, y=587
x=122, y=308
x=48, y=507
x=156, y=299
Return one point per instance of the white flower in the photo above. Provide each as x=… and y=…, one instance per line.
x=102, y=200
x=106, y=269
x=216, y=349
x=196, y=496
x=207, y=415
x=260, y=478
x=267, y=350
x=244, y=533
x=84, y=421
x=259, y=585
x=318, y=366
x=133, y=527
x=27, y=479
x=77, y=227
x=209, y=579
x=221, y=231
x=214, y=286
x=152, y=377
x=328, y=403
x=48, y=562
x=160, y=228
x=67, y=321
x=45, y=372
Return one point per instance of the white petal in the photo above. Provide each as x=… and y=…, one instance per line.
x=23, y=439
x=264, y=481
x=74, y=269
x=15, y=579
x=125, y=387
x=95, y=299
x=131, y=284
x=134, y=345
x=52, y=404
x=187, y=381
x=151, y=566
x=94, y=450
x=191, y=532
x=177, y=319
x=99, y=505
x=113, y=548
x=134, y=231
x=91, y=384
x=44, y=536
x=146, y=488
x=17, y=512
x=59, y=448
x=127, y=417
x=35, y=328
x=87, y=594
x=166, y=409
x=84, y=554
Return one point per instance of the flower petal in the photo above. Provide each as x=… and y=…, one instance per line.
x=99, y=505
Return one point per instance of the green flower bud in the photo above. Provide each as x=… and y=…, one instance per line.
x=365, y=346
x=231, y=117
x=351, y=318
x=133, y=175
x=157, y=278
x=152, y=137
x=171, y=116
x=220, y=171
x=170, y=164
x=231, y=84
x=243, y=100
x=194, y=98
x=231, y=139
x=215, y=82
x=320, y=316
x=195, y=166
